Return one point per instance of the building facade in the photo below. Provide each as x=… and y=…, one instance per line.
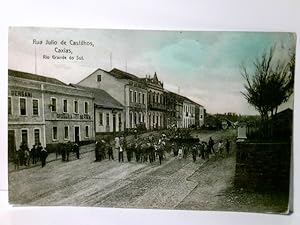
x=189, y=119
x=46, y=110
x=108, y=112
x=145, y=101
x=127, y=89
x=156, y=103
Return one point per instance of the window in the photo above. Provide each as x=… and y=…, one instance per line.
x=53, y=104
x=23, y=106
x=134, y=98
x=101, y=119
x=24, y=136
x=130, y=120
x=9, y=106
x=139, y=99
x=36, y=136
x=131, y=95
x=120, y=118
x=86, y=131
x=86, y=107
x=135, y=118
x=54, y=133
x=143, y=99
x=99, y=78
x=75, y=106
x=107, y=119
x=66, y=132
x=201, y=116
x=65, y=105
x=35, y=107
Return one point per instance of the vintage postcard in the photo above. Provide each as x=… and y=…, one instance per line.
x=191, y=120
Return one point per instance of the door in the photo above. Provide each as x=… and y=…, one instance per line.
x=11, y=145
x=77, y=139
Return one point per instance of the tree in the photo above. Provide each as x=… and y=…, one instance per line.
x=270, y=85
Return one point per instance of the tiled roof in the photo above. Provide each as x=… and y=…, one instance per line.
x=123, y=75
x=30, y=76
x=102, y=98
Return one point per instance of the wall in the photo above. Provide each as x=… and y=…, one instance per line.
x=263, y=166
x=61, y=119
x=103, y=128
x=114, y=87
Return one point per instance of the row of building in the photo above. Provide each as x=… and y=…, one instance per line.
x=46, y=110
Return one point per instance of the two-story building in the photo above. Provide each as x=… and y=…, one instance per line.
x=127, y=89
x=46, y=110
x=188, y=113
x=156, y=102
x=108, y=112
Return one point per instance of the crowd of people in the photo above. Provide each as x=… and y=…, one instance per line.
x=138, y=148
x=148, y=149
x=25, y=156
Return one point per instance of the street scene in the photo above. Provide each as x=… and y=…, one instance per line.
x=151, y=119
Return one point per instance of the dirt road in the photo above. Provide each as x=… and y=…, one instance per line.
x=180, y=184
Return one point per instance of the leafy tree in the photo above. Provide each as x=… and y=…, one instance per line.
x=270, y=85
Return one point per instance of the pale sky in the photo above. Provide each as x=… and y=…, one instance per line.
x=204, y=66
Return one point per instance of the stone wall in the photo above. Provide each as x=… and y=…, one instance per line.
x=263, y=166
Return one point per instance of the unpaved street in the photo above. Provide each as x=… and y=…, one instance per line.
x=177, y=183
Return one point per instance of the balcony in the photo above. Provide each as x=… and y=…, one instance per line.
x=157, y=106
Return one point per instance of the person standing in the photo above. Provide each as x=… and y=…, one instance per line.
x=33, y=154
x=44, y=155
x=117, y=144
x=160, y=152
x=110, y=151
x=121, y=155
x=211, y=144
x=69, y=148
x=194, y=153
x=180, y=151
x=220, y=148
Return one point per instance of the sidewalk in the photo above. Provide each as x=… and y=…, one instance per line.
x=52, y=157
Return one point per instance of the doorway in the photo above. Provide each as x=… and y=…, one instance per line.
x=77, y=134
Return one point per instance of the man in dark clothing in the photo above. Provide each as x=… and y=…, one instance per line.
x=211, y=144
x=33, y=154
x=44, y=155
x=194, y=152
x=23, y=150
x=160, y=153
x=110, y=152
x=102, y=150
x=69, y=148
x=38, y=151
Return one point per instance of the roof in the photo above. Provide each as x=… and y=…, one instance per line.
x=102, y=98
x=30, y=76
x=183, y=98
x=123, y=75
